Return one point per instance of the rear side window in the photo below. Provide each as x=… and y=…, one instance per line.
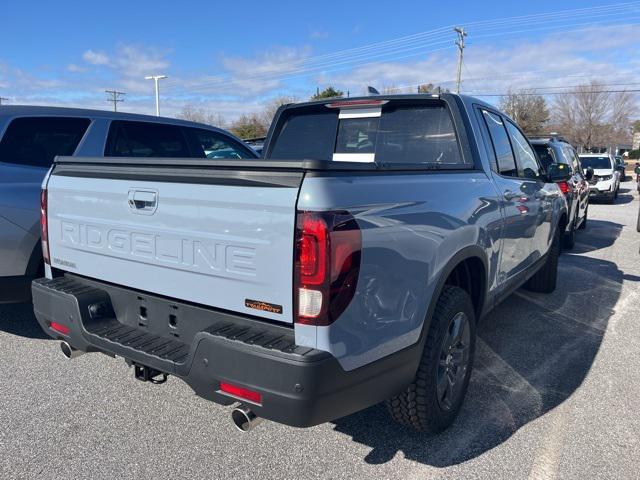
x=417, y=135
x=396, y=134
x=210, y=144
x=36, y=141
x=501, y=145
x=145, y=139
x=528, y=166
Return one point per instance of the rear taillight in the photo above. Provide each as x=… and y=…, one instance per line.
x=44, y=226
x=564, y=187
x=328, y=246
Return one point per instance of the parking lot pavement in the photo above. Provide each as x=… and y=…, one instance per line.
x=555, y=394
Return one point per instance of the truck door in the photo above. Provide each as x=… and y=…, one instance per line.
x=517, y=198
x=537, y=199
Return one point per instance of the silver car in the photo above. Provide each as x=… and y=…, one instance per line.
x=30, y=138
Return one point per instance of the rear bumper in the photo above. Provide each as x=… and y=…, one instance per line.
x=300, y=386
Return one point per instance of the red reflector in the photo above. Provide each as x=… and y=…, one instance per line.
x=240, y=392
x=564, y=187
x=356, y=103
x=58, y=327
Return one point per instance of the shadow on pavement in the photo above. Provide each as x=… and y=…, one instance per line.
x=598, y=234
x=18, y=319
x=533, y=352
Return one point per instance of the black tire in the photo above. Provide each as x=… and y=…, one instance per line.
x=423, y=405
x=569, y=239
x=583, y=225
x=544, y=280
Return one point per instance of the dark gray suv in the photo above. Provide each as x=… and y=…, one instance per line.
x=553, y=149
x=30, y=138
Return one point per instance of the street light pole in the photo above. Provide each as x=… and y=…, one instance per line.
x=155, y=78
x=460, y=43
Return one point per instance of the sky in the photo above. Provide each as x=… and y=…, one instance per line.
x=231, y=58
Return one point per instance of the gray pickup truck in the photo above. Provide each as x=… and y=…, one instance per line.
x=348, y=267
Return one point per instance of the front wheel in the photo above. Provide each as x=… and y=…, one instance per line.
x=432, y=401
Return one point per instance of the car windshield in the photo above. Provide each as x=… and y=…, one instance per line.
x=595, y=162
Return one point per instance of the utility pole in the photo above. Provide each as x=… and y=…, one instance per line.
x=460, y=43
x=155, y=78
x=115, y=98
x=2, y=99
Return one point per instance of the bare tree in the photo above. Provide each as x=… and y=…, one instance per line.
x=200, y=115
x=591, y=117
x=528, y=109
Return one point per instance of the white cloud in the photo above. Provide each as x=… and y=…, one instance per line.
x=95, y=58
x=243, y=84
x=318, y=35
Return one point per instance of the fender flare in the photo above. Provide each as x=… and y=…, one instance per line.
x=471, y=251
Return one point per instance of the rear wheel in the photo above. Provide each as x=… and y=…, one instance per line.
x=544, y=280
x=432, y=401
x=569, y=238
x=583, y=225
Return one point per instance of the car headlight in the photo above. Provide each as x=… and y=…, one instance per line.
x=605, y=177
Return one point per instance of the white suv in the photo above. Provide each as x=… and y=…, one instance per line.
x=606, y=179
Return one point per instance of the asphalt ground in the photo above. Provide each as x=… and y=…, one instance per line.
x=555, y=394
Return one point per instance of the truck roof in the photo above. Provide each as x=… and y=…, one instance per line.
x=404, y=96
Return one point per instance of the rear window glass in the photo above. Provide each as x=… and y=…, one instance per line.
x=308, y=136
x=422, y=134
x=544, y=154
x=145, y=139
x=596, y=162
x=357, y=135
x=36, y=141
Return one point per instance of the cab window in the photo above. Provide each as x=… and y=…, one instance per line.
x=528, y=166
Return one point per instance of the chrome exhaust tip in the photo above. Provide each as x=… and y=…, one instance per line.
x=244, y=419
x=69, y=352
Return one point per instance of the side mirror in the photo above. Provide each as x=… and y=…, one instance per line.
x=588, y=174
x=559, y=172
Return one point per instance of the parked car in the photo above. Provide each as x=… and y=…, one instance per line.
x=348, y=267
x=555, y=150
x=606, y=179
x=621, y=167
x=256, y=144
x=30, y=138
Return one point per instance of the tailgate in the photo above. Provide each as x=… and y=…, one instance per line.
x=213, y=237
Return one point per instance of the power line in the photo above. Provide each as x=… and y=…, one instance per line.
x=362, y=55
x=553, y=93
x=115, y=98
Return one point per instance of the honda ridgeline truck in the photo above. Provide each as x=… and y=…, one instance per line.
x=347, y=267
